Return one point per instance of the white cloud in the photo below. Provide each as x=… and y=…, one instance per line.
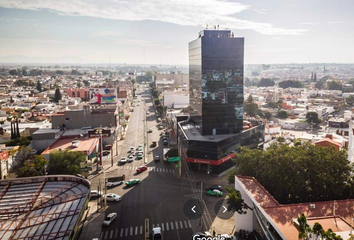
x=260, y=11
x=182, y=12
x=336, y=22
x=310, y=23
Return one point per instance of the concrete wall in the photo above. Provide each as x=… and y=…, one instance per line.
x=244, y=221
x=170, y=100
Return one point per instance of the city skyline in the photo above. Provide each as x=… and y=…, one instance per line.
x=158, y=32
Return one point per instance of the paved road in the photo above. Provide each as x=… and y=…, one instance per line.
x=159, y=197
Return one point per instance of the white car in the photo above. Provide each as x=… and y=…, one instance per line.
x=123, y=160
x=111, y=197
x=113, y=184
x=157, y=233
x=109, y=219
x=131, y=158
x=95, y=193
x=132, y=149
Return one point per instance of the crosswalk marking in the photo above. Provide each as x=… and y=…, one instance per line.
x=138, y=230
x=149, y=169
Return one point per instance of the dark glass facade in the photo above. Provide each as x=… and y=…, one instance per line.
x=216, y=82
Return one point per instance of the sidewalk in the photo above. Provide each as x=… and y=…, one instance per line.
x=93, y=225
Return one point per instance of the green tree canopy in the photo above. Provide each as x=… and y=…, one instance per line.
x=39, y=86
x=266, y=82
x=334, y=85
x=312, y=117
x=235, y=201
x=86, y=83
x=250, y=107
x=13, y=72
x=57, y=95
x=65, y=162
x=291, y=84
x=268, y=115
x=306, y=173
x=283, y=114
x=33, y=167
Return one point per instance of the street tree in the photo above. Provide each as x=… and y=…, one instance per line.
x=335, y=85
x=306, y=173
x=250, y=107
x=65, y=162
x=312, y=118
x=57, y=95
x=266, y=82
x=283, y=114
x=13, y=72
x=235, y=202
x=34, y=166
x=268, y=115
x=39, y=86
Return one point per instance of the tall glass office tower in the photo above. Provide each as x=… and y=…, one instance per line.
x=216, y=62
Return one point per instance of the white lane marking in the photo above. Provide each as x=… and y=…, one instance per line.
x=173, y=171
x=121, y=232
x=153, y=225
x=185, y=224
x=131, y=231
x=167, y=226
x=136, y=230
x=181, y=224
x=171, y=225
x=111, y=235
x=141, y=229
x=189, y=224
x=105, y=235
x=116, y=235
x=126, y=232
x=163, y=229
x=176, y=225
x=101, y=235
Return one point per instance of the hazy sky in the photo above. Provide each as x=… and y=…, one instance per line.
x=158, y=31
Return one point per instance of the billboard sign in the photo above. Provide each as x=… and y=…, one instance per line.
x=103, y=95
x=174, y=159
x=4, y=155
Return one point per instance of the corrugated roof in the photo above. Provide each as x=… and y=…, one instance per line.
x=41, y=207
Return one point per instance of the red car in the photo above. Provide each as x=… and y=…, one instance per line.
x=141, y=169
x=107, y=147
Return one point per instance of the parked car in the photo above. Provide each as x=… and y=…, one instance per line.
x=140, y=156
x=150, y=130
x=154, y=144
x=106, y=153
x=123, y=160
x=165, y=142
x=111, y=197
x=114, y=184
x=109, y=219
x=107, y=147
x=157, y=233
x=215, y=187
x=132, y=182
x=157, y=158
x=132, y=149
x=95, y=193
x=141, y=169
x=215, y=193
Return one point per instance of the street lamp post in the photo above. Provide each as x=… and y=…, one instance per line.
x=99, y=131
